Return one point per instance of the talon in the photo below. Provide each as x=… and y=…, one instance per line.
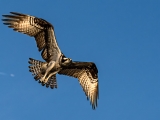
x=42, y=79
x=46, y=80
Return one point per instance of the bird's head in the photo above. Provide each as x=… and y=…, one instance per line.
x=66, y=61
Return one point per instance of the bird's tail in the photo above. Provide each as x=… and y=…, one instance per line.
x=37, y=69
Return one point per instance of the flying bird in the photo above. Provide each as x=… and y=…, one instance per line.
x=55, y=60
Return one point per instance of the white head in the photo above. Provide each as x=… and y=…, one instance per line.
x=66, y=61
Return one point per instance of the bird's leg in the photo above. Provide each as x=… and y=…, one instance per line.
x=50, y=75
x=50, y=66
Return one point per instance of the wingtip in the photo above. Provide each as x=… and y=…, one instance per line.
x=16, y=13
x=4, y=19
x=5, y=23
x=94, y=106
x=30, y=60
x=4, y=15
x=12, y=12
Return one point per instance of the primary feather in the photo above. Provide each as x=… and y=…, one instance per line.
x=87, y=74
x=40, y=29
x=56, y=62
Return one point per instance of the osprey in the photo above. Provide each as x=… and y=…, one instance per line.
x=55, y=60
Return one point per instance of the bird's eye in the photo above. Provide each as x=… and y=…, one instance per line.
x=64, y=59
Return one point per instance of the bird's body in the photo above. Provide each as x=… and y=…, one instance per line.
x=55, y=60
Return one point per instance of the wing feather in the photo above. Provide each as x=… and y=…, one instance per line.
x=40, y=40
x=87, y=75
x=36, y=27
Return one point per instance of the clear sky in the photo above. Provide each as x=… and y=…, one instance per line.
x=121, y=36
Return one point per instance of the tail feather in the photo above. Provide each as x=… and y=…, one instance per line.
x=36, y=69
x=35, y=66
x=53, y=83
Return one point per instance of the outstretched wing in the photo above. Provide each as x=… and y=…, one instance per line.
x=40, y=29
x=87, y=74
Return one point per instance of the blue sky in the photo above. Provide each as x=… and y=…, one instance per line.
x=121, y=37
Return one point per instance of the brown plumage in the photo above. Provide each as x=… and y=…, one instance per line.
x=56, y=62
x=87, y=74
x=34, y=27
